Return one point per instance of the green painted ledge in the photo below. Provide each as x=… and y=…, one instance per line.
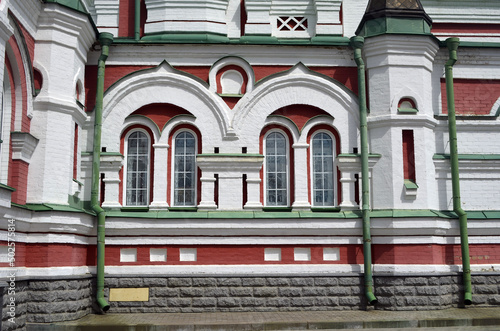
x=352, y=214
x=39, y=207
x=6, y=187
x=208, y=38
x=468, y=156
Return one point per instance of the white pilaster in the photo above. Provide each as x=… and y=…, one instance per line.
x=207, y=192
x=160, y=177
x=300, y=174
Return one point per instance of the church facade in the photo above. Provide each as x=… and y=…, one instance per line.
x=228, y=155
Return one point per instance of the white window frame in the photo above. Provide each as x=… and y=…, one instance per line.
x=195, y=177
x=287, y=156
x=334, y=170
x=125, y=168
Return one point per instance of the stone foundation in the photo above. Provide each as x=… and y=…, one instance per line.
x=209, y=294
x=53, y=300
x=48, y=300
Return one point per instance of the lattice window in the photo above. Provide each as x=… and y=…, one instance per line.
x=292, y=23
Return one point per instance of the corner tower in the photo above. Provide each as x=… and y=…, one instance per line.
x=399, y=51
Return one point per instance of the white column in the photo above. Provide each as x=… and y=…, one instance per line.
x=111, y=164
x=349, y=166
x=207, y=192
x=301, y=188
x=160, y=177
x=253, y=192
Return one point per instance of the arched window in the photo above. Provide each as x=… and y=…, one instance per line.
x=137, y=172
x=185, y=169
x=323, y=174
x=276, y=169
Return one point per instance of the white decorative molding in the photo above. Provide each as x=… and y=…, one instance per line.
x=183, y=16
x=231, y=61
x=107, y=15
x=23, y=145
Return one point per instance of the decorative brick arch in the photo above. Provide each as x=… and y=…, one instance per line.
x=164, y=84
x=298, y=85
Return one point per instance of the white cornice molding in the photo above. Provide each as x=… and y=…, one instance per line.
x=67, y=28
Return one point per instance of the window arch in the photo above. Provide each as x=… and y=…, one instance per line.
x=184, y=186
x=137, y=167
x=323, y=172
x=276, y=169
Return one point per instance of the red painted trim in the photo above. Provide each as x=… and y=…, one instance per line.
x=160, y=113
x=336, y=135
x=465, y=28
x=408, y=155
x=63, y=255
x=170, y=160
x=243, y=17
x=151, y=160
x=299, y=114
x=291, y=175
x=25, y=121
x=75, y=152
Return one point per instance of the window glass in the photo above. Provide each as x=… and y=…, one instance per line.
x=185, y=166
x=137, y=169
x=276, y=170
x=322, y=167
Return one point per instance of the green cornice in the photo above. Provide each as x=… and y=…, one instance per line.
x=208, y=38
x=268, y=213
x=394, y=25
x=73, y=4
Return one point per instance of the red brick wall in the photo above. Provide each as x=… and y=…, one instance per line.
x=472, y=96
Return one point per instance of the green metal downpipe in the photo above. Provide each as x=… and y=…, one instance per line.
x=357, y=44
x=452, y=44
x=137, y=20
x=105, y=39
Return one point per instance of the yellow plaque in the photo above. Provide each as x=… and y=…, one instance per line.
x=129, y=294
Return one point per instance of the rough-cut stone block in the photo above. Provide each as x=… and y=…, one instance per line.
x=342, y=291
x=179, y=282
x=300, y=281
x=204, y=282
x=253, y=281
x=302, y=302
x=240, y=291
x=345, y=281
x=229, y=281
x=314, y=291
x=325, y=281
x=290, y=291
x=265, y=292
x=216, y=292
x=155, y=282
x=191, y=292
x=204, y=302
x=253, y=302
x=178, y=302
x=228, y=302
x=278, y=281
x=164, y=292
